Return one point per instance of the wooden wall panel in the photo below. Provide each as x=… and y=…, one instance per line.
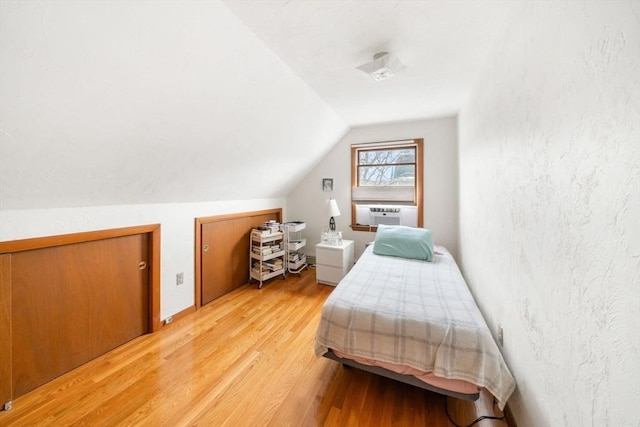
x=74, y=302
x=225, y=265
x=5, y=328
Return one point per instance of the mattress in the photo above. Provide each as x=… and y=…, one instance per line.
x=414, y=314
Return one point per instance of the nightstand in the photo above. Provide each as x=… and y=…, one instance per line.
x=333, y=262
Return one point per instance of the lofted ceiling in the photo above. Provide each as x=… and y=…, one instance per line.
x=442, y=43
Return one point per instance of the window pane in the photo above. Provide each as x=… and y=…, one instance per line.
x=381, y=157
x=386, y=175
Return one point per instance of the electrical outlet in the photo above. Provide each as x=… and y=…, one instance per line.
x=168, y=320
x=179, y=279
x=500, y=336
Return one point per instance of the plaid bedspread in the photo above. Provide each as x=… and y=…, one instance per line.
x=414, y=313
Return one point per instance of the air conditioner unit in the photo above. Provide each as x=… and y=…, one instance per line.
x=386, y=216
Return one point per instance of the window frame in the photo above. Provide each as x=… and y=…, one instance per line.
x=418, y=143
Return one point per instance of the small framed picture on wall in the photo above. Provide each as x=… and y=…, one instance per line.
x=327, y=184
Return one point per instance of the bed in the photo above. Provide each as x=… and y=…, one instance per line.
x=413, y=320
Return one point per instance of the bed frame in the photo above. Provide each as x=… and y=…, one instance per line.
x=407, y=379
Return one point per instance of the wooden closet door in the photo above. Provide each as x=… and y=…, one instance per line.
x=5, y=328
x=75, y=302
x=225, y=254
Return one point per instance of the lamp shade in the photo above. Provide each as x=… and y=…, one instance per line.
x=332, y=208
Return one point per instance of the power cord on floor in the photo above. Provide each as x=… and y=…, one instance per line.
x=477, y=420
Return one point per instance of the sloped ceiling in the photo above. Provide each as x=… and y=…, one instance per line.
x=127, y=102
x=145, y=102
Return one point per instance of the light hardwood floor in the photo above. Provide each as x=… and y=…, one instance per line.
x=246, y=359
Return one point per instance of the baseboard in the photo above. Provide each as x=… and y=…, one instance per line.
x=179, y=315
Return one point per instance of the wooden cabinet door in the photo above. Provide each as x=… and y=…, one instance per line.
x=5, y=329
x=225, y=253
x=75, y=302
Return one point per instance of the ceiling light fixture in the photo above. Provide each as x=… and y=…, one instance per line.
x=383, y=66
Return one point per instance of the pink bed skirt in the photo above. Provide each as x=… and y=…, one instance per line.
x=458, y=386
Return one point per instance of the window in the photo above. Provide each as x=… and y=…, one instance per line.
x=385, y=174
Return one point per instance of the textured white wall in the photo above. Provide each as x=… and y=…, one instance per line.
x=550, y=208
x=306, y=201
x=177, y=234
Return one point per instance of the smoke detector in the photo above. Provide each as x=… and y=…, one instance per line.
x=383, y=66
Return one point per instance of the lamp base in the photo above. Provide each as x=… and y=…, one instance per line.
x=332, y=224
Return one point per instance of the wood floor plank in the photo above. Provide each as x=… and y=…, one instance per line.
x=245, y=359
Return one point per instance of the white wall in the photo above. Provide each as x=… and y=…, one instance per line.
x=550, y=209
x=306, y=201
x=177, y=234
